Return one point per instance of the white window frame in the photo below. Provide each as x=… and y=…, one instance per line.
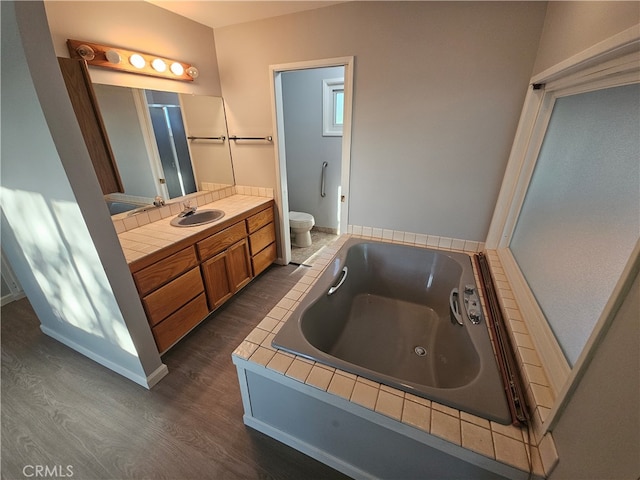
x=613, y=62
x=329, y=89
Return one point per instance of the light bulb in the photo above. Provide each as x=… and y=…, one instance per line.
x=112, y=56
x=177, y=69
x=137, y=61
x=193, y=72
x=159, y=65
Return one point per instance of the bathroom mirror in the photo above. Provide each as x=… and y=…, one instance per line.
x=165, y=144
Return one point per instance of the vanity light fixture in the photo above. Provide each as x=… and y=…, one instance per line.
x=106, y=56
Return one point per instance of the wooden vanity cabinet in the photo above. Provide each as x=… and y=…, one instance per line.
x=262, y=240
x=180, y=289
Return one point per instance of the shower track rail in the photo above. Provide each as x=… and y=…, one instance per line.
x=504, y=349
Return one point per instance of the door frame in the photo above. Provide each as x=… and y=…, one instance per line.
x=281, y=190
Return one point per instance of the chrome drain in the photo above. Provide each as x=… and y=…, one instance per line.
x=420, y=351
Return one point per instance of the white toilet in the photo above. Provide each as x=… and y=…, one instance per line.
x=301, y=224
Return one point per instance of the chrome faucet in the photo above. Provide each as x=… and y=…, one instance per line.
x=158, y=201
x=187, y=209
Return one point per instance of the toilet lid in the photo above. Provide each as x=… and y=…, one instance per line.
x=300, y=217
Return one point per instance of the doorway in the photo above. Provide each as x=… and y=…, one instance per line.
x=301, y=173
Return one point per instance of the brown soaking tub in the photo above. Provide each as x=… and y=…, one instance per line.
x=392, y=319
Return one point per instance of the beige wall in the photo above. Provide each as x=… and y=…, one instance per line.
x=438, y=91
x=571, y=27
x=138, y=26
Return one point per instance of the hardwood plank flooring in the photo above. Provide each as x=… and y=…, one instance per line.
x=61, y=409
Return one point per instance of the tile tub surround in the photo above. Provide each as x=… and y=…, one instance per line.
x=507, y=445
x=148, y=232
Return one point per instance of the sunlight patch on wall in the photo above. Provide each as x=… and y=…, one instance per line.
x=62, y=257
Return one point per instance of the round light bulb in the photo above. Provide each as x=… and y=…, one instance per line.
x=112, y=56
x=159, y=65
x=177, y=69
x=86, y=52
x=137, y=61
x=193, y=72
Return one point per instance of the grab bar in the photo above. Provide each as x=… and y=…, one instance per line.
x=455, y=306
x=324, y=174
x=343, y=277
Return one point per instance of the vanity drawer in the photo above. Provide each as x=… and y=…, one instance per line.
x=175, y=326
x=260, y=219
x=263, y=237
x=167, y=269
x=218, y=242
x=263, y=259
x=166, y=300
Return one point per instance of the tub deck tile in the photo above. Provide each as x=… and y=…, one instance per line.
x=445, y=426
x=444, y=409
x=319, y=377
x=510, y=451
x=280, y=362
x=364, y=394
x=262, y=356
x=416, y=414
x=477, y=438
x=299, y=370
x=389, y=404
x=341, y=386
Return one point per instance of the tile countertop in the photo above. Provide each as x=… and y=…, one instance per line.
x=155, y=231
x=503, y=443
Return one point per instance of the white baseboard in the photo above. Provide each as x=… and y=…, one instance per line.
x=135, y=377
x=11, y=297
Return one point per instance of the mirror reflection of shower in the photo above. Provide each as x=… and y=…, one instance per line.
x=169, y=130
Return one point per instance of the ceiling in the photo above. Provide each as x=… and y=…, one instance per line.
x=217, y=14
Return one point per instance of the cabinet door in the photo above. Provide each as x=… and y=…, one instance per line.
x=239, y=265
x=216, y=280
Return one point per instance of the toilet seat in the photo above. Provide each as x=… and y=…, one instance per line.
x=301, y=220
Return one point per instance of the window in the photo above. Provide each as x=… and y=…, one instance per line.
x=332, y=107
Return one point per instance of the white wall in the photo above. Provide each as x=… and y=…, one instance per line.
x=56, y=231
x=438, y=90
x=306, y=148
x=571, y=27
x=138, y=25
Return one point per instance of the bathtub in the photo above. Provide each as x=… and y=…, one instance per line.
x=393, y=316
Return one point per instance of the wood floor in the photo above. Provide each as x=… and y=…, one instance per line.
x=60, y=409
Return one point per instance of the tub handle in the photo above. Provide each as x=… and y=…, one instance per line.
x=343, y=277
x=454, y=304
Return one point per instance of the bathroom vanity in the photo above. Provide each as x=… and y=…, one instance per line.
x=194, y=270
